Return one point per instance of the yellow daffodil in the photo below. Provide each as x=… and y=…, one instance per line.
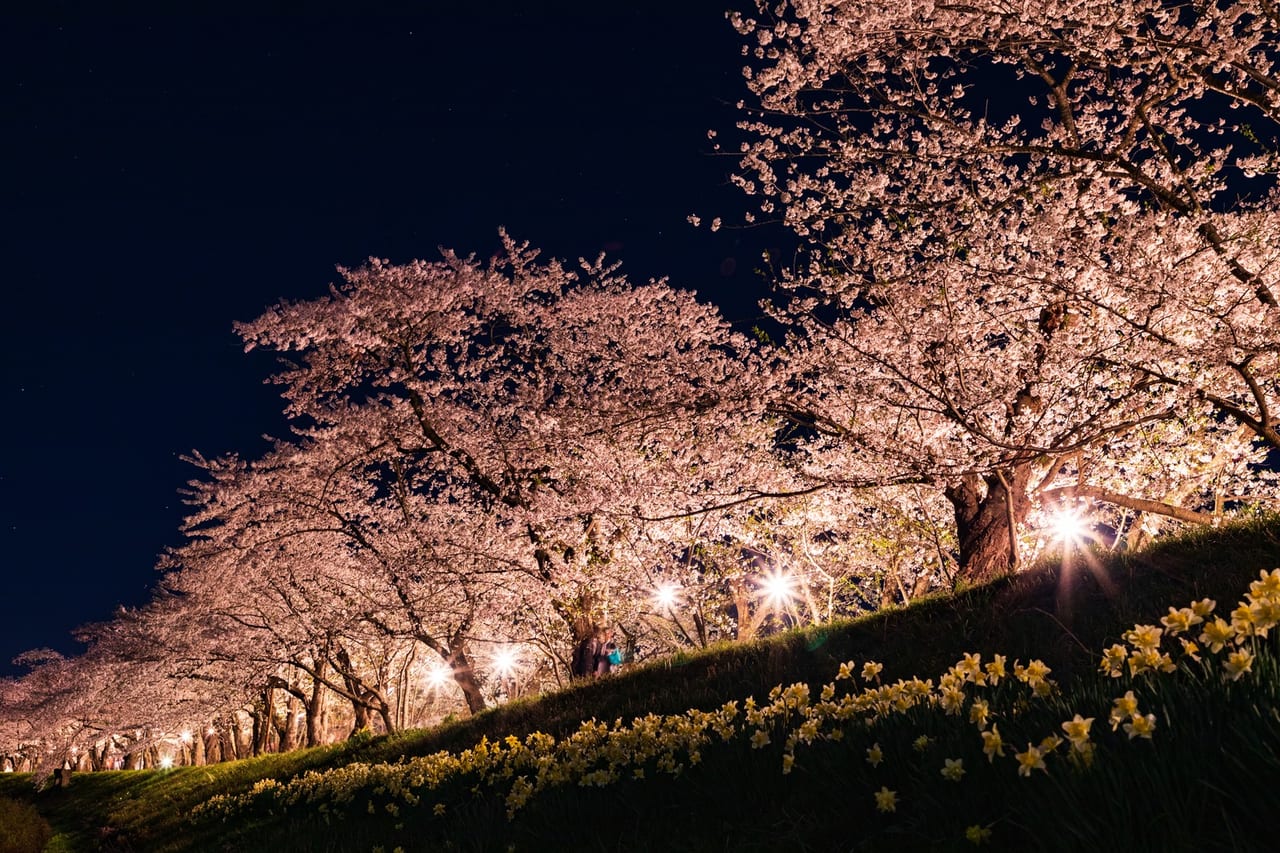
x=1180, y=621
x=979, y=712
x=992, y=744
x=1113, y=660
x=1203, y=607
x=1190, y=649
x=1216, y=634
x=788, y=760
x=1264, y=615
x=995, y=669
x=871, y=670
x=953, y=769
x=846, y=671
x=1125, y=706
x=921, y=743
x=760, y=739
x=1140, y=726
x=886, y=800
x=1238, y=663
x=1242, y=621
x=874, y=755
x=1077, y=730
x=969, y=668
x=1032, y=759
x=1035, y=671
x=978, y=834
x=1144, y=637
x=1267, y=585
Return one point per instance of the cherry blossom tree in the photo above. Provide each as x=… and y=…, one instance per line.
x=528, y=425
x=1007, y=295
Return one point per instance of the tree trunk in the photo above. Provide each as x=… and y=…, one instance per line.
x=465, y=677
x=287, y=729
x=745, y=624
x=986, y=524
x=315, y=708
x=361, y=712
x=212, y=745
x=262, y=711
x=232, y=746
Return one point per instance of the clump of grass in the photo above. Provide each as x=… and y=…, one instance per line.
x=22, y=829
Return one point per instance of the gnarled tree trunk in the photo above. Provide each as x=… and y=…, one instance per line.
x=989, y=511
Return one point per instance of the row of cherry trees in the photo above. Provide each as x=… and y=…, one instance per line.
x=1056, y=300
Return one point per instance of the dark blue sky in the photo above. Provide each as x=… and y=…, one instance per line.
x=166, y=175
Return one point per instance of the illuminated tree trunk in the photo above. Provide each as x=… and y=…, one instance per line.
x=465, y=677
x=315, y=708
x=989, y=511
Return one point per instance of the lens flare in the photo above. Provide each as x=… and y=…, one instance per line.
x=666, y=596
x=504, y=662
x=778, y=588
x=439, y=676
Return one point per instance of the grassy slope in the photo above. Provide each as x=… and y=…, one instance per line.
x=1063, y=616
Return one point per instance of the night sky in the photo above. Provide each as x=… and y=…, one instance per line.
x=166, y=175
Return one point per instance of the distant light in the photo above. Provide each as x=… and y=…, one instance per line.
x=439, y=676
x=778, y=588
x=166, y=762
x=666, y=595
x=504, y=661
x=1068, y=526
x=185, y=736
x=211, y=731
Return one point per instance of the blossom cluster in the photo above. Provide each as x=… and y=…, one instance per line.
x=598, y=755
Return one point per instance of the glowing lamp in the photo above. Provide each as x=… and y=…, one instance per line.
x=666, y=595
x=778, y=588
x=439, y=676
x=166, y=762
x=504, y=662
x=1067, y=525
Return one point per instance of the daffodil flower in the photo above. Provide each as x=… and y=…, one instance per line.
x=886, y=800
x=1216, y=634
x=1238, y=663
x=979, y=712
x=1140, y=726
x=1032, y=759
x=1077, y=730
x=992, y=743
x=977, y=834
